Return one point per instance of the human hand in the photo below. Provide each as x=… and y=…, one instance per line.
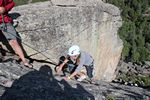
x=2, y=10
x=66, y=78
x=58, y=69
x=65, y=61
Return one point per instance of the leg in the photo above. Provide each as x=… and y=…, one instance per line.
x=89, y=70
x=11, y=36
x=16, y=47
x=14, y=44
x=81, y=74
x=90, y=73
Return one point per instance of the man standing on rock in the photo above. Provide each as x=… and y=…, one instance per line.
x=9, y=31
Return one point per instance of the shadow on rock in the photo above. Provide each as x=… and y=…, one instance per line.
x=41, y=85
x=14, y=15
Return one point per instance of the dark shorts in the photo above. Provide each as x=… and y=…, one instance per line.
x=9, y=32
x=89, y=70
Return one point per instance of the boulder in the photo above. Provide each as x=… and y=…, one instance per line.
x=52, y=29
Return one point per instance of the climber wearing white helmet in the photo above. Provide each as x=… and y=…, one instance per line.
x=81, y=59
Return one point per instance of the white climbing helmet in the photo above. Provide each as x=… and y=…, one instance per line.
x=74, y=50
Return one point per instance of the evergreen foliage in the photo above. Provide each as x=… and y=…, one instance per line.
x=135, y=31
x=22, y=2
x=38, y=1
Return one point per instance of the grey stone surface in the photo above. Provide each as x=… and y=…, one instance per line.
x=125, y=71
x=147, y=63
x=52, y=29
x=42, y=84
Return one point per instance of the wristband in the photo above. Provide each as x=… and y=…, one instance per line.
x=69, y=77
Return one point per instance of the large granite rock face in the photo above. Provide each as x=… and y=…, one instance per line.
x=43, y=84
x=51, y=28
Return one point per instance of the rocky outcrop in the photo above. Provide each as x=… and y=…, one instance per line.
x=52, y=27
x=43, y=84
x=133, y=73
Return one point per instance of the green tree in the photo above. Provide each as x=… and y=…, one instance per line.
x=20, y=2
x=135, y=31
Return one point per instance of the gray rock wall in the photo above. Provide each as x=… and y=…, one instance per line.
x=42, y=84
x=52, y=28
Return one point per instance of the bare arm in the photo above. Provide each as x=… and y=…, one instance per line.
x=61, y=65
x=2, y=10
x=72, y=75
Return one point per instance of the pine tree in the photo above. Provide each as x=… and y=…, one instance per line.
x=135, y=31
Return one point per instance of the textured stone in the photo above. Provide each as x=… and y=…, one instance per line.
x=42, y=84
x=73, y=2
x=53, y=29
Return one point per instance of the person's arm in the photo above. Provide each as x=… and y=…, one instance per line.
x=78, y=69
x=2, y=9
x=72, y=75
x=62, y=65
x=9, y=6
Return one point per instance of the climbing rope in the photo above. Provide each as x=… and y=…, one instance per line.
x=4, y=28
